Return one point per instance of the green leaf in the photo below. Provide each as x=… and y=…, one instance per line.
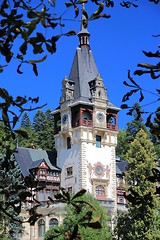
x=39, y=60
x=50, y=48
x=85, y=13
x=40, y=37
x=124, y=106
x=95, y=15
x=76, y=9
x=79, y=194
x=18, y=69
x=4, y=94
x=35, y=69
x=23, y=48
x=68, y=4
x=31, y=14
x=22, y=133
x=70, y=33
x=82, y=1
x=37, y=48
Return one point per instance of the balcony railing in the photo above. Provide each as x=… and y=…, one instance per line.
x=112, y=127
x=87, y=123
x=49, y=178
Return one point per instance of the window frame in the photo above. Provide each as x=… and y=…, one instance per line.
x=98, y=141
x=100, y=190
x=54, y=222
x=69, y=171
x=68, y=142
x=41, y=227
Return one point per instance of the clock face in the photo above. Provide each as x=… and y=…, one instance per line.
x=64, y=118
x=100, y=117
x=99, y=170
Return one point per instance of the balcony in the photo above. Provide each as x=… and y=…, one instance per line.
x=87, y=123
x=49, y=178
x=112, y=127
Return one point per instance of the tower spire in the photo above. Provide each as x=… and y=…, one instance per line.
x=84, y=34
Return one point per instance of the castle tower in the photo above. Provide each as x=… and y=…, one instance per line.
x=86, y=128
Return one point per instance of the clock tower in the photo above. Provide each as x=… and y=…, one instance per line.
x=86, y=128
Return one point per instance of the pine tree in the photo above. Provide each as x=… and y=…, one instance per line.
x=136, y=124
x=25, y=122
x=26, y=126
x=11, y=188
x=125, y=137
x=140, y=222
x=44, y=130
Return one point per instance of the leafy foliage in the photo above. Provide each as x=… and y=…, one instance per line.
x=40, y=132
x=84, y=218
x=140, y=222
x=125, y=137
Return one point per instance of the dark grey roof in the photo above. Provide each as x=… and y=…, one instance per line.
x=118, y=171
x=28, y=158
x=83, y=70
x=121, y=167
x=36, y=163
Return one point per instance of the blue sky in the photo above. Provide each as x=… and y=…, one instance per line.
x=117, y=45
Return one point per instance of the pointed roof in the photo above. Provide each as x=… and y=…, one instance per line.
x=84, y=68
x=29, y=158
x=83, y=71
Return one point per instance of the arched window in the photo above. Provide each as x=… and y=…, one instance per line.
x=53, y=222
x=41, y=228
x=100, y=190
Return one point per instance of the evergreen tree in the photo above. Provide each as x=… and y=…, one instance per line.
x=85, y=232
x=25, y=122
x=26, y=125
x=125, y=137
x=136, y=124
x=44, y=130
x=11, y=190
x=141, y=220
x=122, y=145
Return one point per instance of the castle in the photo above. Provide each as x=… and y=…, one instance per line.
x=86, y=128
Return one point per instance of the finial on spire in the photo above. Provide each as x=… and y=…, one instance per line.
x=84, y=34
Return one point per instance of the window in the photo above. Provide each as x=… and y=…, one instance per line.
x=98, y=141
x=121, y=200
x=41, y=228
x=69, y=171
x=53, y=222
x=68, y=142
x=100, y=190
x=70, y=190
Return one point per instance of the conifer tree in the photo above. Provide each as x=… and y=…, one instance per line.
x=26, y=125
x=125, y=137
x=44, y=130
x=140, y=221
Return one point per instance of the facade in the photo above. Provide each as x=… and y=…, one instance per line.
x=86, y=127
x=41, y=166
